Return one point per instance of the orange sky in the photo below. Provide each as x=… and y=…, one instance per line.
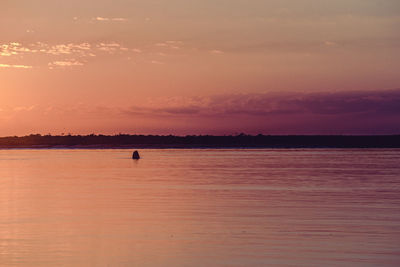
x=185, y=66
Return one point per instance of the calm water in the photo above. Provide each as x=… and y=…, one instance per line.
x=200, y=208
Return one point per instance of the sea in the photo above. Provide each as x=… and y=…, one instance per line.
x=200, y=207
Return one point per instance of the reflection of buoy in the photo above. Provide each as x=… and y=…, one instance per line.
x=135, y=155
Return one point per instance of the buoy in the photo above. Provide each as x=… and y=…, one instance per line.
x=135, y=155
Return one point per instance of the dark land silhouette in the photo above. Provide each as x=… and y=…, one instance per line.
x=200, y=141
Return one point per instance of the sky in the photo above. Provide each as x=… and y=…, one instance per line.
x=199, y=67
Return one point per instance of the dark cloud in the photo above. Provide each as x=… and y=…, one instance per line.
x=373, y=103
x=180, y=110
x=367, y=102
x=383, y=103
x=355, y=112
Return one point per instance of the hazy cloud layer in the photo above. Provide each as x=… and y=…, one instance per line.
x=269, y=104
x=362, y=112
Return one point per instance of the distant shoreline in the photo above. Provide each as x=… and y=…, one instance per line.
x=242, y=141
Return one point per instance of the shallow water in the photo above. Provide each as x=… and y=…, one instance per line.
x=310, y=207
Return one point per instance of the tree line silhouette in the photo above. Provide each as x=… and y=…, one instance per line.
x=200, y=141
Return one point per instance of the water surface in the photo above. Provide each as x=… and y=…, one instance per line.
x=284, y=207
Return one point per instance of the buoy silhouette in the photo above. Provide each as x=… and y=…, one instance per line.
x=135, y=155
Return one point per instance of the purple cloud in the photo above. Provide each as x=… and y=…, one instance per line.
x=356, y=112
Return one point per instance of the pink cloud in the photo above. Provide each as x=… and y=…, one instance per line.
x=105, y=19
x=13, y=66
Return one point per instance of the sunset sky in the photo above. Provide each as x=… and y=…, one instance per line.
x=200, y=67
